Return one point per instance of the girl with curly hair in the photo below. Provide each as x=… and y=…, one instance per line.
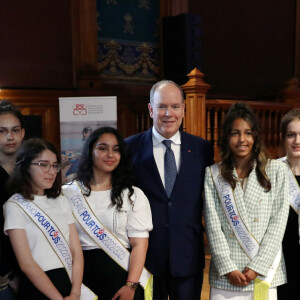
x=105, y=181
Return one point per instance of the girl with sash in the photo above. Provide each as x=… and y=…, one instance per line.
x=246, y=209
x=290, y=137
x=40, y=225
x=113, y=219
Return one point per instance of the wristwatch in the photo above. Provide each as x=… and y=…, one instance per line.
x=3, y=283
x=132, y=285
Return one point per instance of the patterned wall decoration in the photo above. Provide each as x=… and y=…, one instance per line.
x=128, y=39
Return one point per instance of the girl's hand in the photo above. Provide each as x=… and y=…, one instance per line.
x=237, y=278
x=124, y=293
x=72, y=296
x=249, y=274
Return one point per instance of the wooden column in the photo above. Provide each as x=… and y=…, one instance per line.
x=292, y=93
x=195, y=113
x=85, y=50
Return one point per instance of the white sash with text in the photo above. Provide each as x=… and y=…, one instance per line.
x=246, y=240
x=101, y=235
x=54, y=237
x=294, y=189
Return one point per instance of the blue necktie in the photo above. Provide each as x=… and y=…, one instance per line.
x=170, y=168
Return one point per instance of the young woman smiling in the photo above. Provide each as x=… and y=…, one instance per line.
x=110, y=211
x=290, y=137
x=246, y=210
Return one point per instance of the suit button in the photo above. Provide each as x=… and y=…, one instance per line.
x=170, y=203
x=255, y=220
x=166, y=225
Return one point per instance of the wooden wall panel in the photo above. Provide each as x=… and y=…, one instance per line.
x=36, y=44
x=132, y=116
x=39, y=103
x=248, y=47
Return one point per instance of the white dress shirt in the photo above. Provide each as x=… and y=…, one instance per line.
x=159, y=150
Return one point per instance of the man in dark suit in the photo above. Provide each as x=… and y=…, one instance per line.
x=176, y=250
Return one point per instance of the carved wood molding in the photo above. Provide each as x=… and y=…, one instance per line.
x=195, y=116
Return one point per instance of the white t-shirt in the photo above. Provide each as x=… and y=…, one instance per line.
x=58, y=210
x=130, y=221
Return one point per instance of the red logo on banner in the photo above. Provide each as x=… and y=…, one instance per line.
x=235, y=218
x=79, y=109
x=101, y=231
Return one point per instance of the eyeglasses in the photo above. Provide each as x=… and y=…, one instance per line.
x=45, y=166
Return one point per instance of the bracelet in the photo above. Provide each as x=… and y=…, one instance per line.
x=131, y=284
x=77, y=295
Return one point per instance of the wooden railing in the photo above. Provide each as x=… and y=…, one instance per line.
x=268, y=114
x=204, y=117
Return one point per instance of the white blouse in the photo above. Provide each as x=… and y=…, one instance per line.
x=58, y=210
x=131, y=221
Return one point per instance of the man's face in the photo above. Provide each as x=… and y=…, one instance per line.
x=167, y=110
x=11, y=134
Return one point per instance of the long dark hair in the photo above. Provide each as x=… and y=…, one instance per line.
x=20, y=180
x=122, y=175
x=236, y=111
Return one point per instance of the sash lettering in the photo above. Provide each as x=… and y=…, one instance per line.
x=101, y=235
x=54, y=236
x=294, y=189
x=246, y=240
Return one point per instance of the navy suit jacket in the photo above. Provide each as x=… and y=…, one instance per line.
x=176, y=241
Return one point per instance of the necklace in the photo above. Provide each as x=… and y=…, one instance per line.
x=101, y=186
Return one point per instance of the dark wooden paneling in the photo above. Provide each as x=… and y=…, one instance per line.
x=36, y=44
x=132, y=102
x=248, y=46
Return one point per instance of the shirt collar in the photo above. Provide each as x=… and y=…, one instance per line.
x=158, y=138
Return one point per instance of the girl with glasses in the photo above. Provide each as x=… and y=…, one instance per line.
x=38, y=219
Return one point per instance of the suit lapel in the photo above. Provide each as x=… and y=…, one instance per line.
x=252, y=192
x=247, y=199
x=148, y=161
x=240, y=202
x=185, y=164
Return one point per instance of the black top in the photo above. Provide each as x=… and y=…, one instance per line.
x=291, y=247
x=291, y=251
x=7, y=258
